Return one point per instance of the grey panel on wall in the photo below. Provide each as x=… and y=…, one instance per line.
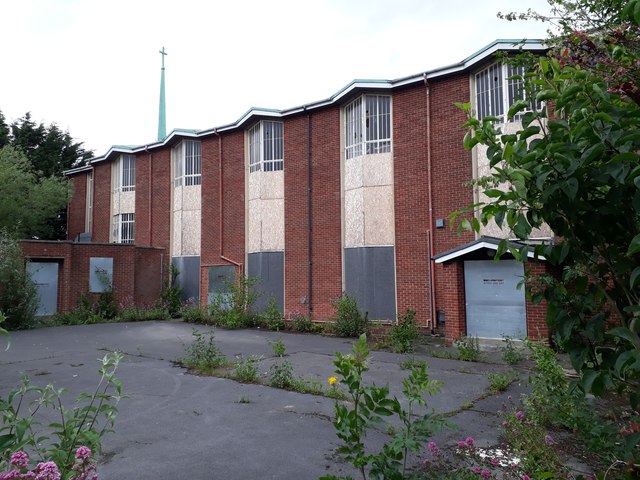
x=45, y=277
x=268, y=267
x=100, y=274
x=219, y=278
x=189, y=278
x=369, y=277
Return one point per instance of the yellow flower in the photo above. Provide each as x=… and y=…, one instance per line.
x=332, y=380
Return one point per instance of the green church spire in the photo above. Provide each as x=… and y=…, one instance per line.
x=162, y=114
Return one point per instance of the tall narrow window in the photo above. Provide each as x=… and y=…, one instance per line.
x=124, y=228
x=368, y=125
x=125, y=174
x=497, y=90
x=266, y=151
x=187, y=163
x=88, y=220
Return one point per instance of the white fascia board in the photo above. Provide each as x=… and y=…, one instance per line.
x=475, y=247
x=73, y=171
x=536, y=46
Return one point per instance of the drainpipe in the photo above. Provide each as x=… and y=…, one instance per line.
x=432, y=275
x=220, y=204
x=309, y=217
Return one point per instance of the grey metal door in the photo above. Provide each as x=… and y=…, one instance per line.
x=45, y=276
x=495, y=306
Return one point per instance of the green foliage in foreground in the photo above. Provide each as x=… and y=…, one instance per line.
x=369, y=404
x=579, y=173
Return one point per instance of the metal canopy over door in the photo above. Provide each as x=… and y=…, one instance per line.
x=495, y=306
x=45, y=277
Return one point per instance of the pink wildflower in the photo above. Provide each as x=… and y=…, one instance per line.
x=549, y=440
x=519, y=414
x=20, y=459
x=469, y=441
x=12, y=475
x=485, y=474
x=476, y=469
x=433, y=448
x=461, y=444
x=83, y=453
x=526, y=477
x=47, y=471
x=494, y=460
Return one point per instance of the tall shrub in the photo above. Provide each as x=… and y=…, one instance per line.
x=18, y=295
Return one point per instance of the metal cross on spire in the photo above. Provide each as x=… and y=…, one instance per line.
x=162, y=114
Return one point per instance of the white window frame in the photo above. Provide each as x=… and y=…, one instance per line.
x=187, y=163
x=124, y=228
x=368, y=126
x=88, y=221
x=266, y=146
x=125, y=174
x=496, y=91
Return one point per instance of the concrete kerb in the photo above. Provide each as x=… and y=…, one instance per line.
x=175, y=425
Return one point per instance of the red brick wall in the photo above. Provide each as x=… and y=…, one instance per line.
x=153, y=198
x=233, y=202
x=136, y=271
x=411, y=194
x=149, y=272
x=450, y=299
x=296, y=262
x=76, y=209
x=101, y=202
x=326, y=211
x=451, y=167
x=537, y=327
x=451, y=163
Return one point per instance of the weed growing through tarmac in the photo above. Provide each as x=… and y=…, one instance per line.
x=510, y=354
x=468, y=349
x=203, y=355
x=499, y=382
x=278, y=348
x=411, y=362
x=246, y=369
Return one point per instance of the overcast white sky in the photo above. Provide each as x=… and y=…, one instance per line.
x=93, y=67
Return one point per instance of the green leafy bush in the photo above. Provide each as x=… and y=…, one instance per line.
x=404, y=334
x=171, y=295
x=233, y=308
x=135, y=314
x=499, y=382
x=349, y=320
x=468, y=349
x=509, y=352
x=303, y=324
x=278, y=348
x=281, y=375
x=18, y=295
x=83, y=425
x=246, y=369
x=271, y=318
x=203, y=354
x=368, y=404
x=195, y=314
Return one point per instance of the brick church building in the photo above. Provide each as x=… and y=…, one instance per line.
x=347, y=194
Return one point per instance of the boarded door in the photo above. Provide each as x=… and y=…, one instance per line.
x=495, y=306
x=45, y=276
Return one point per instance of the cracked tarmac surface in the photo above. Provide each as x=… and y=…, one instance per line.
x=175, y=425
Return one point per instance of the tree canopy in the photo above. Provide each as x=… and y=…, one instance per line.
x=28, y=201
x=42, y=154
x=577, y=170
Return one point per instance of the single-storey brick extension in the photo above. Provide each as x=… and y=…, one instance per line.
x=348, y=194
